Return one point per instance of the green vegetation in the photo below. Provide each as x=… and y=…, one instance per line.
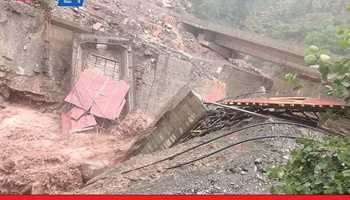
x=292, y=80
x=335, y=70
x=312, y=22
x=318, y=167
x=321, y=167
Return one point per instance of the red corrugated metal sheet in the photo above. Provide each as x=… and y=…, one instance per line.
x=65, y=123
x=86, y=122
x=99, y=94
x=109, y=101
x=85, y=90
x=70, y=125
x=76, y=113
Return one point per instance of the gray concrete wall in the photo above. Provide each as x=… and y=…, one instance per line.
x=161, y=81
x=176, y=119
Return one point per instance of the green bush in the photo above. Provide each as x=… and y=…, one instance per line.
x=319, y=167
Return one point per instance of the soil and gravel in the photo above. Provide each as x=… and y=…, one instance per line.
x=239, y=170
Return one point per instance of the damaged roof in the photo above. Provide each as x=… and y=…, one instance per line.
x=99, y=94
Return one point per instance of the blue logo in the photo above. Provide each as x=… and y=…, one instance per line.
x=70, y=3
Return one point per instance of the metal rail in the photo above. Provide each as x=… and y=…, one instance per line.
x=222, y=136
x=232, y=145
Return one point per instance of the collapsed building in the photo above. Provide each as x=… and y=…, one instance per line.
x=167, y=65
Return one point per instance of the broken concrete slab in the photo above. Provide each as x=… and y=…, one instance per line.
x=236, y=78
x=161, y=82
x=91, y=169
x=173, y=123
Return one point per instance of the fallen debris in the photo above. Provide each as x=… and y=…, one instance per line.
x=72, y=125
x=133, y=124
x=177, y=119
x=94, y=95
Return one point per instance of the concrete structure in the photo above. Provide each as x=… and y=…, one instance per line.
x=220, y=39
x=162, y=82
x=107, y=54
x=176, y=120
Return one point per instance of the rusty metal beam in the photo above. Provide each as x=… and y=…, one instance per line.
x=285, y=102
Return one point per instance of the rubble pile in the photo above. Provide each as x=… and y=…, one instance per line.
x=132, y=125
x=150, y=22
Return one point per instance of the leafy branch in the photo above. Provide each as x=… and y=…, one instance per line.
x=335, y=71
x=319, y=167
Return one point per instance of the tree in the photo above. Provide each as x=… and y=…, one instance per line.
x=231, y=12
x=335, y=71
x=312, y=20
x=321, y=167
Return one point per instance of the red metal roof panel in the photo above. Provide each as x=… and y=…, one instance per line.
x=65, y=123
x=86, y=88
x=109, y=102
x=69, y=125
x=76, y=113
x=86, y=122
x=103, y=95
